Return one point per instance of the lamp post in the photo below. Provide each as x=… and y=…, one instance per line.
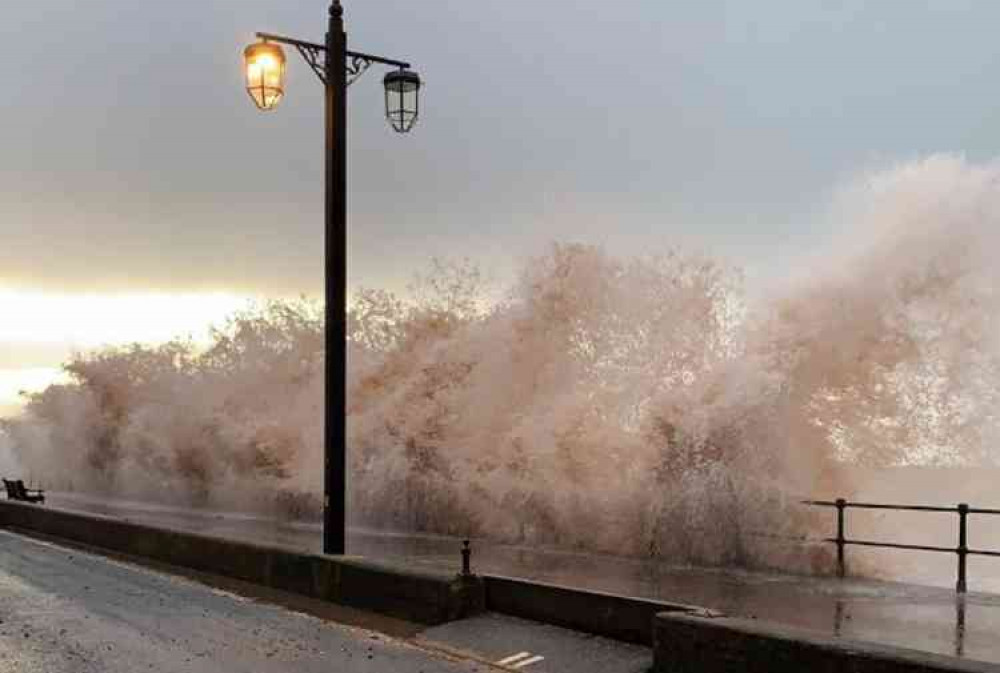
x=337, y=68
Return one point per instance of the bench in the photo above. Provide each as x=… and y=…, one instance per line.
x=17, y=491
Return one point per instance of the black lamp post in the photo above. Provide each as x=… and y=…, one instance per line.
x=337, y=68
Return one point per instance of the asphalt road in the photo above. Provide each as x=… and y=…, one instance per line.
x=537, y=648
x=66, y=610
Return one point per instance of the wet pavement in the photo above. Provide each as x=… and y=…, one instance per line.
x=925, y=618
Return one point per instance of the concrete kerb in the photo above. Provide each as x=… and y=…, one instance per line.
x=712, y=643
x=619, y=617
x=422, y=596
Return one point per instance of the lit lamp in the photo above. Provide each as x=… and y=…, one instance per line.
x=265, y=69
x=402, y=99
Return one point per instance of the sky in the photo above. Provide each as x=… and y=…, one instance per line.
x=142, y=194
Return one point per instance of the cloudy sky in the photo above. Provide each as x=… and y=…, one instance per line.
x=142, y=194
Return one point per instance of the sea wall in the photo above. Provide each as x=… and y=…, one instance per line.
x=419, y=595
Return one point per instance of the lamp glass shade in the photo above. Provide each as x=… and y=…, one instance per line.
x=402, y=99
x=265, y=72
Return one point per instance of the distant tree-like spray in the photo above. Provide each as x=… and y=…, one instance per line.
x=646, y=406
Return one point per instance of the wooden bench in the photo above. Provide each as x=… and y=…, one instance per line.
x=17, y=491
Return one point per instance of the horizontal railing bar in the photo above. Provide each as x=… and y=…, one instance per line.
x=962, y=550
x=895, y=545
x=905, y=508
x=982, y=552
x=917, y=547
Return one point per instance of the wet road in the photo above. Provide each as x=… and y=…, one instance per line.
x=919, y=617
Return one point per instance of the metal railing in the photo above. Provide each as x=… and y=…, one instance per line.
x=962, y=550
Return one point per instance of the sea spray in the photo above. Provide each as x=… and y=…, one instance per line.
x=643, y=406
x=9, y=464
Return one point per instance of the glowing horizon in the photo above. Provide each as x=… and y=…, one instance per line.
x=83, y=321
x=29, y=380
x=89, y=320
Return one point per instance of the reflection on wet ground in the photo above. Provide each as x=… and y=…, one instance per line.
x=919, y=617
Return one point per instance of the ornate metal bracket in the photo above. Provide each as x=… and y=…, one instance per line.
x=315, y=55
x=356, y=66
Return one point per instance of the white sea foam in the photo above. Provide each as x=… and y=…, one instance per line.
x=641, y=406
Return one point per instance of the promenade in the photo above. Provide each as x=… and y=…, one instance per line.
x=930, y=619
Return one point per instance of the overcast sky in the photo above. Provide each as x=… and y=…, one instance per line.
x=132, y=159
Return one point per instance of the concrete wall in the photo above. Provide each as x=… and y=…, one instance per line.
x=690, y=643
x=619, y=617
x=422, y=596
x=418, y=595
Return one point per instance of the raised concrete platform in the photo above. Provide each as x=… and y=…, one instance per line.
x=423, y=595
x=707, y=643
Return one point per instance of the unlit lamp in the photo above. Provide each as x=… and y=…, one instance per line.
x=265, y=71
x=402, y=99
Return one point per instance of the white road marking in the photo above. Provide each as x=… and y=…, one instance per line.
x=514, y=657
x=528, y=662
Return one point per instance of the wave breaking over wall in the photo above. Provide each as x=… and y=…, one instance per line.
x=642, y=406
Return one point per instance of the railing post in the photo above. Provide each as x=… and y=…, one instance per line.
x=963, y=546
x=841, y=506
x=466, y=559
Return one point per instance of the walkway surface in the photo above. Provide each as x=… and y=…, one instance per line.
x=919, y=617
x=63, y=610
